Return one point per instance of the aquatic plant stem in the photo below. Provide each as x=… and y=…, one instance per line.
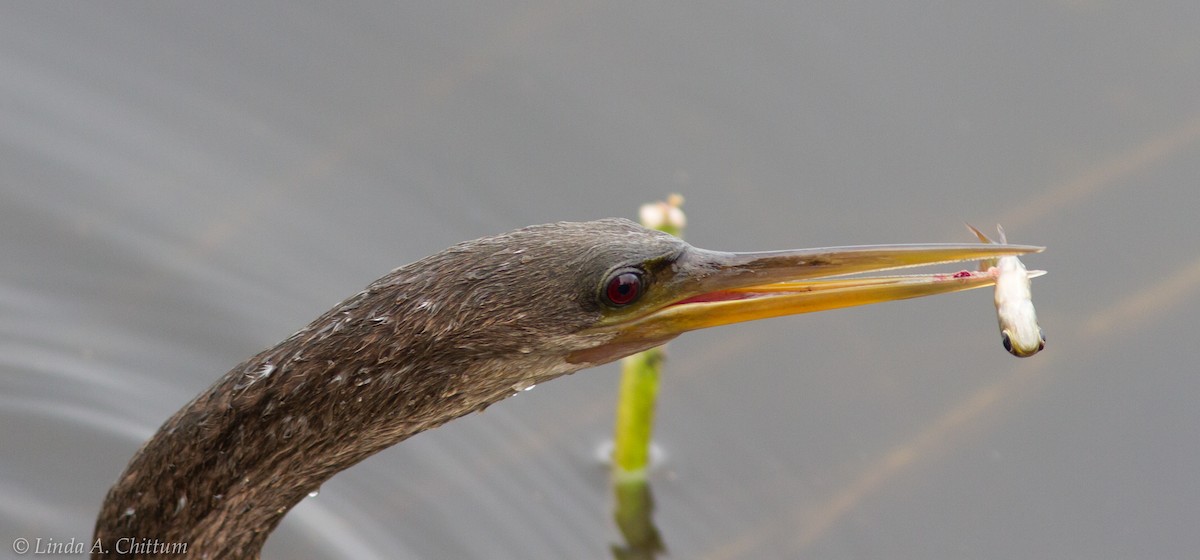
x=635, y=413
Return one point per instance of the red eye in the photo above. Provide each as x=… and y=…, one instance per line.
x=623, y=288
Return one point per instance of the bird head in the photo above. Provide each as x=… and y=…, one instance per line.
x=587, y=293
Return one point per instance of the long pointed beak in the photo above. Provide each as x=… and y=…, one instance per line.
x=710, y=288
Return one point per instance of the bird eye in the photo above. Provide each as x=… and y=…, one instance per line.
x=1007, y=343
x=623, y=288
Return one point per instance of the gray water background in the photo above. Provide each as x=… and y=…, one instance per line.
x=184, y=184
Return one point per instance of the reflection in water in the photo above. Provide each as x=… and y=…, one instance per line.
x=634, y=516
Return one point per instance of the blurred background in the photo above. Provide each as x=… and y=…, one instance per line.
x=184, y=184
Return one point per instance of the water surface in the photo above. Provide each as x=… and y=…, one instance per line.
x=183, y=185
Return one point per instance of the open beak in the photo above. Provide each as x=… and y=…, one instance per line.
x=710, y=288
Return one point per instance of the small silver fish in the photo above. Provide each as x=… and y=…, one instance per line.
x=1019, y=329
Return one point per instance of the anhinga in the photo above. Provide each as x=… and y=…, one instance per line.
x=451, y=334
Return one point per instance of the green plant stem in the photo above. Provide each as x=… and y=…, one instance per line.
x=635, y=413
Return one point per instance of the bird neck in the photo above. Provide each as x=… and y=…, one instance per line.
x=221, y=473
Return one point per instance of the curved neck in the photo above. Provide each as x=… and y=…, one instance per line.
x=221, y=473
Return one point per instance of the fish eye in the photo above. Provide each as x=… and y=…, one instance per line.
x=623, y=287
x=1006, y=341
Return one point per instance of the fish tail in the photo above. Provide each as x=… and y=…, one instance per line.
x=984, y=265
x=983, y=238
